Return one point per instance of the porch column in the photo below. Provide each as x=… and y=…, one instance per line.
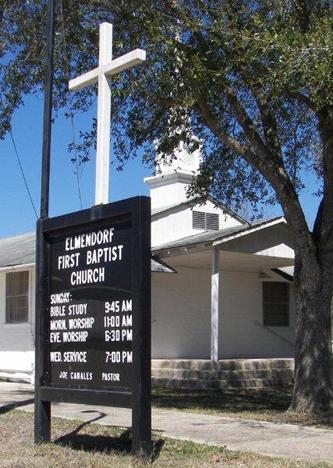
x=214, y=308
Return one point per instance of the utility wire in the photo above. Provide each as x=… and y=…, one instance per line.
x=21, y=167
x=22, y=172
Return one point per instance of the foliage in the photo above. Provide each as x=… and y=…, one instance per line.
x=272, y=58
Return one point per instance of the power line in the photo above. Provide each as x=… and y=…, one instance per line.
x=22, y=172
x=21, y=167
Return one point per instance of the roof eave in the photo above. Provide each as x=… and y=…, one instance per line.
x=251, y=230
x=19, y=266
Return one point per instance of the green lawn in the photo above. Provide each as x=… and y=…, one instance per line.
x=77, y=444
x=269, y=404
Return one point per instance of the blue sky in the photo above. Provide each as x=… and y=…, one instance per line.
x=17, y=215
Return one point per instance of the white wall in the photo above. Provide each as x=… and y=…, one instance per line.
x=242, y=333
x=166, y=194
x=181, y=317
x=181, y=314
x=16, y=340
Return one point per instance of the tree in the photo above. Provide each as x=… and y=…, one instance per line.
x=252, y=79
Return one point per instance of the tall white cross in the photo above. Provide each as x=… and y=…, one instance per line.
x=101, y=75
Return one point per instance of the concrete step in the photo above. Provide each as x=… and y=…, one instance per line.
x=201, y=384
x=223, y=365
x=222, y=375
x=227, y=373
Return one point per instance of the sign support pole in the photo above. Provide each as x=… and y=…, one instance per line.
x=43, y=408
x=141, y=411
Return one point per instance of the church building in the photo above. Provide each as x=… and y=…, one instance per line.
x=222, y=288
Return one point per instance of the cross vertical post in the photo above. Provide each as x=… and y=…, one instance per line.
x=103, y=117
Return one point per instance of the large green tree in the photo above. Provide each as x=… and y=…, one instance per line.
x=251, y=79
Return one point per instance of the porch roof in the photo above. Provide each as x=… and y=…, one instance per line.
x=218, y=237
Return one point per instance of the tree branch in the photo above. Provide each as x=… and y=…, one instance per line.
x=301, y=98
x=246, y=123
x=272, y=170
x=204, y=109
x=268, y=119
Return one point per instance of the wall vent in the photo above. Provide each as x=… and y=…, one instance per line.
x=206, y=221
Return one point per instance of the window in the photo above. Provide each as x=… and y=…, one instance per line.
x=202, y=220
x=17, y=297
x=275, y=304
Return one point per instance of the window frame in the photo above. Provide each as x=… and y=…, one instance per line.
x=264, y=322
x=29, y=295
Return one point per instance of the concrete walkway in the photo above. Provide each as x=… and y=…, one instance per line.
x=285, y=440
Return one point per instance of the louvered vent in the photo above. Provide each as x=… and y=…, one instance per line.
x=212, y=221
x=202, y=220
x=198, y=220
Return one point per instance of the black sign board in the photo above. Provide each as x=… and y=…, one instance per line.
x=93, y=313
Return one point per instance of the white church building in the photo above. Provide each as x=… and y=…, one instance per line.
x=221, y=287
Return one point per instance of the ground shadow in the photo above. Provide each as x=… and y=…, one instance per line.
x=6, y=409
x=121, y=444
x=16, y=404
x=233, y=401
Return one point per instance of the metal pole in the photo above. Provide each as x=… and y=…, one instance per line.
x=215, y=293
x=48, y=88
x=43, y=408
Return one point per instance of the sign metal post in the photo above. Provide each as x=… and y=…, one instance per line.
x=43, y=409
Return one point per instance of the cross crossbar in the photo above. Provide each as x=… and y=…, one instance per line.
x=117, y=65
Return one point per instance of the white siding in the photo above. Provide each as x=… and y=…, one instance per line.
x=181, y=314
x=169, y=194
x=181, y=317
x=242, y=333
x=16, y=340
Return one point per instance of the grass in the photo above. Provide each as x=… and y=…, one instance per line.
x=77, y=444
x=269, y=404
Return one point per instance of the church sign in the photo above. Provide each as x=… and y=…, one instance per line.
x=93, y=280
x=94, y=345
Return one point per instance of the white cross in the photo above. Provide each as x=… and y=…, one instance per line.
x=101, y=75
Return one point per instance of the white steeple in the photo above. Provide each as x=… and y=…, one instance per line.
x=174, y=173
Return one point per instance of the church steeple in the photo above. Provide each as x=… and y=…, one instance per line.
x=174, y=173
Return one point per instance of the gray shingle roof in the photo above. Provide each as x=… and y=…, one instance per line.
x=20, y=250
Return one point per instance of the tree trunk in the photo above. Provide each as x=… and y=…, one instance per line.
x=313, y=358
